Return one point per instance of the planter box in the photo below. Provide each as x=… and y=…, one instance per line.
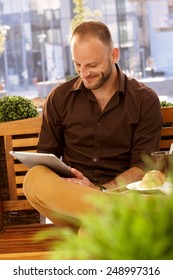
x=167, y=129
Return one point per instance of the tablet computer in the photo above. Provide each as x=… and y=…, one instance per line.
x=31, y=159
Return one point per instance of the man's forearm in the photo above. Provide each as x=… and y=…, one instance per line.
x=129, y=176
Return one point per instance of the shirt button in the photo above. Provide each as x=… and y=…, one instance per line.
x=95, y=159
x=94, y=179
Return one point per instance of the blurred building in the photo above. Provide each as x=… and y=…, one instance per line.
x=38, y=31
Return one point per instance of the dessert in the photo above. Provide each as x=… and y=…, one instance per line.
x=152, y=179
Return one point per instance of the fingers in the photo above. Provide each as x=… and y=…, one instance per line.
x=73, y=180
x=77, y=173
x=79, y=178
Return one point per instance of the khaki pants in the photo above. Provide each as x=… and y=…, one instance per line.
x=60, y=201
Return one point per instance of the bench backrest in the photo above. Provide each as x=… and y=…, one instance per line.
x=21, y=135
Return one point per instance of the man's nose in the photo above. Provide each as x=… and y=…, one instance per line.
x=84, y=72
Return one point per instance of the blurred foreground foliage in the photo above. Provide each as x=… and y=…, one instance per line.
x=128, y=226
x=125, y=227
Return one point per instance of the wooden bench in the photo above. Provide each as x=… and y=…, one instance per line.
x=20, y=242
x=18, y=230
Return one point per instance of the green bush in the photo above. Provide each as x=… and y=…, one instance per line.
x=165, y=103
x=16, y=108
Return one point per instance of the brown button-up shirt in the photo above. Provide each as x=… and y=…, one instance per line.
x=101, y=144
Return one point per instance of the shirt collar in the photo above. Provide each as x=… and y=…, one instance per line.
x=121, y=80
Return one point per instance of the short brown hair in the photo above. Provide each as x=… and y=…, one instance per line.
x=94, y=28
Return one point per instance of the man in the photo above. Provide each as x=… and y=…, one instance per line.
x=100, y=123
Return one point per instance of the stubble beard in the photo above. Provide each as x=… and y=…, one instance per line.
x=105, y=77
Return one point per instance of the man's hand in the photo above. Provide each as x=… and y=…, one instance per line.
x=80, y=179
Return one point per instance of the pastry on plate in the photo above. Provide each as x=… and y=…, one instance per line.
x=152, y=179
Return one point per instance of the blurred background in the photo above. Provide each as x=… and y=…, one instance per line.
x=36, y=54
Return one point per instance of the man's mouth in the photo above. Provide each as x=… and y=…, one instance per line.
x=89, y=78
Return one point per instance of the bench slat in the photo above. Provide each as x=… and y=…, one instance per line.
x=19, y=167
x=9, y=205
x=29, y=142
x=19, y=179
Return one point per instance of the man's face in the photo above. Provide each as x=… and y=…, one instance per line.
x=93, y=61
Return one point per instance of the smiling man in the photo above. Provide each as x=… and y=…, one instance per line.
x=100, y=123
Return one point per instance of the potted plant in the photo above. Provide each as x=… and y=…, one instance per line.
x=16, y=108
x=165, y=103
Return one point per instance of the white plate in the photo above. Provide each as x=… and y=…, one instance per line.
x=136, y=186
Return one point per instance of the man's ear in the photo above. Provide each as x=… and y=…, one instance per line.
x=115, y=54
